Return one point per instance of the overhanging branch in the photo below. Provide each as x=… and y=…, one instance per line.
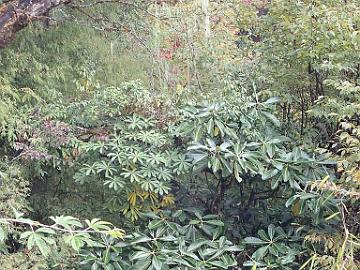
x=17, y=14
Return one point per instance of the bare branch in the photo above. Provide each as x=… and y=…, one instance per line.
x=17, y=14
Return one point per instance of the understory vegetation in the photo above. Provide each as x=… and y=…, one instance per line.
x=186, y=135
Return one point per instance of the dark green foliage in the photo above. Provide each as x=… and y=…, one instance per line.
x=184, y=240
x=259, y=170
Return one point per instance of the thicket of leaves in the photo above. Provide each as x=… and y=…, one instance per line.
x=237, y=148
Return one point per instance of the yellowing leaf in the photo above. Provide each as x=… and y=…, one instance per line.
x=168, y=200
x=295, y=209
x=132, y=198
x=117, y=233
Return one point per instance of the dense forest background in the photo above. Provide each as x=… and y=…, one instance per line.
x=189, y=134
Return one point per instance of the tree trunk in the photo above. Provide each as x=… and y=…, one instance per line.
x=17, y=14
